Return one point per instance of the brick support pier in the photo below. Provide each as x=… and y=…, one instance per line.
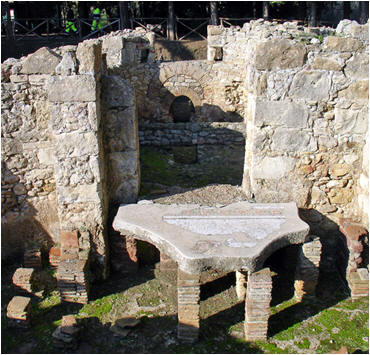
x=241, y=281
x=257, y=305
x=167, y=264
x=188, y=288
x=307, y=271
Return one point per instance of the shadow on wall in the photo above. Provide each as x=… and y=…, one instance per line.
x=22, y=221
x=334, y=253
x=166, y=50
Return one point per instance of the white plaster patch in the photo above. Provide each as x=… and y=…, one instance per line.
x=254, y=227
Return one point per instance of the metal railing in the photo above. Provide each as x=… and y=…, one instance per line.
x=45, y=28
x=195, y=30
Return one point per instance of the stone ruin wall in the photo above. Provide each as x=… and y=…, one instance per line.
x=60, y=164
x=302, y=95
x=307, y=115
x=216, y=90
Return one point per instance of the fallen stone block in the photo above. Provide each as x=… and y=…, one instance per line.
x=24, y=280
x=18, y=312
x=66, y=335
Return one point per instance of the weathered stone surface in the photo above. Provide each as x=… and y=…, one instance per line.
x=113, y=47
x=340, y=195
x=89, y=57
x=281, y=113
x=214, y=30
x=76, y=144
x=358, y=90
x=325, y=63
x=279, y=53
x=43, y=61
x=67, y=66
x=310, y=85
x=198, y=238
x=72, y=88
x=10, y=146
x=45, y=156
x=125, y=190
x=357, y=67
x=71, y=116
x=353, y=28
x=80, y=193
x=340, y=44
x=124, y=176
x=338, y=170
x=293, y=140
x=351, y=121
x=124, y=163
x=272, y=167
x=120, y=130
x=117, y=92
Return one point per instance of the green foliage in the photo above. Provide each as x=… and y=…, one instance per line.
x=158, y=166
x=98, y=308
x=303, y=344
x=332, y=322
x=320, y=38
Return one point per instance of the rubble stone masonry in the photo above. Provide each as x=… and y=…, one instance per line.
x=71, y=118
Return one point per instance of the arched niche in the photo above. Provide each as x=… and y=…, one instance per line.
x=182, y=109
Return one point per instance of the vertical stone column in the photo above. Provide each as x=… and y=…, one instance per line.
x=307, y=271
x=188, y=288
x=257, y=305
x=74, y=103
x=241, y=281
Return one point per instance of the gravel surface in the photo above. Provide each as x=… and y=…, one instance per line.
x=211, y=195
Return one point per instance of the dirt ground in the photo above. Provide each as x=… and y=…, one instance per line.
x=326, y=323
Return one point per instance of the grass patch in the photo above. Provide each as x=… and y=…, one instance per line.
x=158, y=167
x=303, y=344
x=98, y=308
x=331, y=322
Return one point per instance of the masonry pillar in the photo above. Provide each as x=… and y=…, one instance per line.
x=74, y=104
x=188, y=288
x=257, y=305
x=241, y=281
x=166, y=263
x=307, y=270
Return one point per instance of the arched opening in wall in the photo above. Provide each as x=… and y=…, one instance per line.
x=182, y=109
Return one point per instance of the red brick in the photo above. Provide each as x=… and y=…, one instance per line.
x=131, y=247
x=69, y=239
x=350, y=229
x=54, y=251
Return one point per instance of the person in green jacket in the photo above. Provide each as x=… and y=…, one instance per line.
x=96, y=24
x=70, y=24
